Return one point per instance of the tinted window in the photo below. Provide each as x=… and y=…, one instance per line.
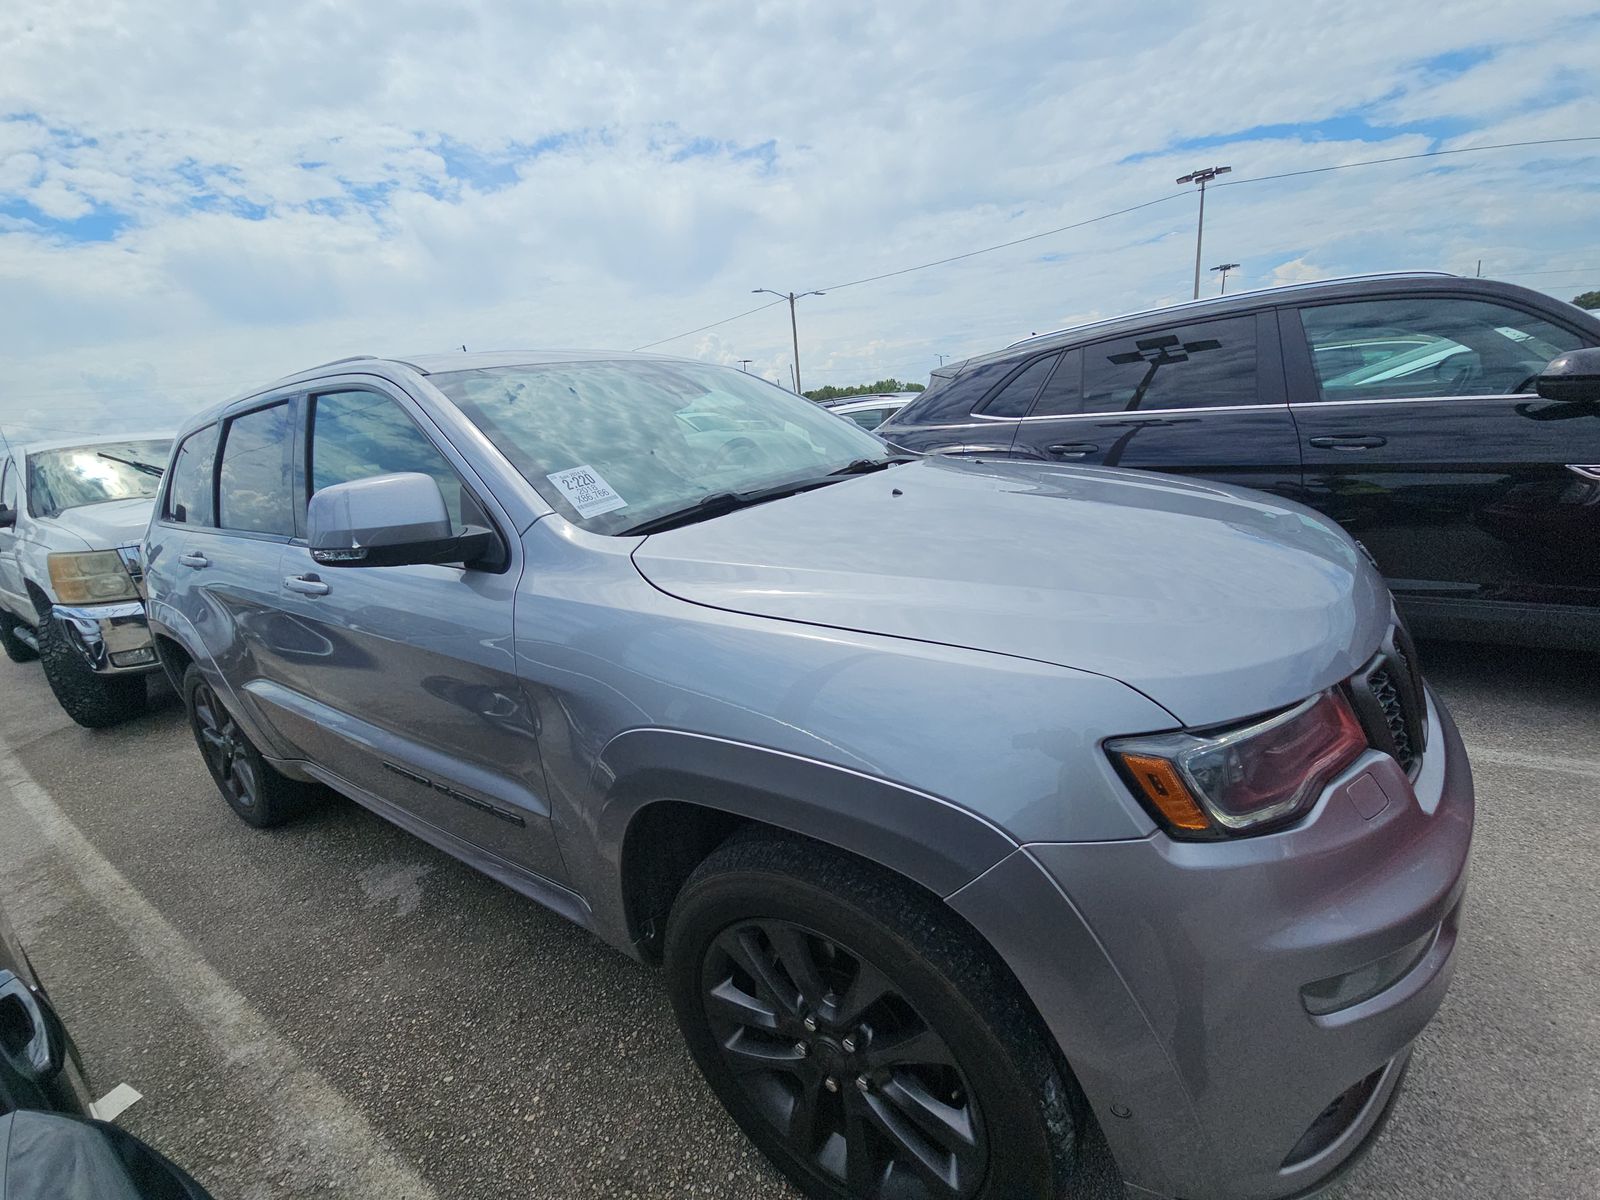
x=1016, y=398
x=1191, y=366
x=1063, y=391
x=94, y=474
x=189, y=492
x=253, y=482
x=953, y=399
x=1428, y=346
x=355, y=435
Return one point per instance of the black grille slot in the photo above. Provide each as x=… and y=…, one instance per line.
x=1389, y=698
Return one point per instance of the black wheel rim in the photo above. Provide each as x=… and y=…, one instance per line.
x=841, y=1065
x=225, y=748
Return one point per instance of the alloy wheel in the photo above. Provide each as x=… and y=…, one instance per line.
x=226, y=749
x=832, y=1054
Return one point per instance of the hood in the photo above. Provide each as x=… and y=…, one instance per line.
x=109, y=525
x=1215, y=602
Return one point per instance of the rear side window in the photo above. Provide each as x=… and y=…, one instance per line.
x=355, y=435
x=1016, y=398
x=1206, y=365
x=254, y=493
x=955, y=400
x=190, y=493
x=1427, y=346
x=1063, y=391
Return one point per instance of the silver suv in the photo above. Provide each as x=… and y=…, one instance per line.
x=965, y=804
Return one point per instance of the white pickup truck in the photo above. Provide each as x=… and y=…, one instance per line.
x=72, y=514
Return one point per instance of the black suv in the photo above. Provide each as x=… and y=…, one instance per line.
x=1403, y=406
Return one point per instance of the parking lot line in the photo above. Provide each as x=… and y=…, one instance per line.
x=313, y=1120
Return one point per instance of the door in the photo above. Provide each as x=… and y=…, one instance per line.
x=1422, y=435
x=403, y=680
x=1199, y=399
x=12, y=593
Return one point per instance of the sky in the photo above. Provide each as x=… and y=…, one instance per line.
x=198, y=196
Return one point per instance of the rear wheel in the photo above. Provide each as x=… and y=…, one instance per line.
x=259, y=794
x=16, y=649
x=862, y=1037
x=93, y=701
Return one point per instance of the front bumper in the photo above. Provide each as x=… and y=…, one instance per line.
x=1171, y=974
x=113, y=639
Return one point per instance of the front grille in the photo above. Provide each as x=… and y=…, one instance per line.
x=1388, y=696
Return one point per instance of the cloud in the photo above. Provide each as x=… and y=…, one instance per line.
x=224, y=193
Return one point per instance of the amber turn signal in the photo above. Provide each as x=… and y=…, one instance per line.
x=1158, y=780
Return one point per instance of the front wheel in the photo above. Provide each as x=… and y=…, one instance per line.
x=860, y=1035
x=93, y=701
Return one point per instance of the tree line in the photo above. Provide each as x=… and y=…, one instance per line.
x=863, y=389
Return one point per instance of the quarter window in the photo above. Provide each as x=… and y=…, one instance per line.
x=253, y=481
x=190, y=493
x=1426, y=346
x=1063, y=391
x=355, y=435
x=1016, y=398
x=1208, y=365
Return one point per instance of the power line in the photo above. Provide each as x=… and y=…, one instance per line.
x=1033, y=237
x=1372, y=162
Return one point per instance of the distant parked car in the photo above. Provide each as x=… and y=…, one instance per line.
x=965, y=805
x=870, y=411
x=71, y=517
x=1408, y=407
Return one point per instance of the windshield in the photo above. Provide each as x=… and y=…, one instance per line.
x=78, y=475
x=613, y=444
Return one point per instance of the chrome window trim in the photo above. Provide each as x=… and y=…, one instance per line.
x=1131, y=412
x=1413, y=400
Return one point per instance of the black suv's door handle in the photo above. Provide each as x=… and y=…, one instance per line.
x=194, y=559
x=1351, y=441
x=306, y=585
x=1072, y=449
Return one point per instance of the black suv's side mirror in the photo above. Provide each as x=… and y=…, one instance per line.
x=1574, y=377
x=391, y=521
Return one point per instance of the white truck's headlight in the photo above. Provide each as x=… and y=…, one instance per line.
x=91, y=577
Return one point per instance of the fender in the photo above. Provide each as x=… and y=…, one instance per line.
x=930, y=840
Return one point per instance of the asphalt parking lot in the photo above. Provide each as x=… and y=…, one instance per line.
x=336, y=1009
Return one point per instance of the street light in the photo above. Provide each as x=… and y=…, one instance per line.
x=744, y=364
x=794, y=330
x=1225, y=268
x=1202, y=177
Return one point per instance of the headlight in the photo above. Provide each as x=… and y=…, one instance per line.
x=91, y=577
x=1242, y=780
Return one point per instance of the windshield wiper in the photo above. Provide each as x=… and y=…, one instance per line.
x=147, y=468
x=717, y=503
x=863, y=466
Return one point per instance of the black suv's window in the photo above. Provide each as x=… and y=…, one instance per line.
x=1428, y=346
x=189, y=492
x=1063, y=391
x=1016, y=398
x=355, y=435
x=1210, y=364
x=254, y=492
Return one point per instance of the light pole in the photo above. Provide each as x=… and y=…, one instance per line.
x=1225, y=268
x=941, y=358
x=744, y=364
x=794, y=330
x=1202, y=177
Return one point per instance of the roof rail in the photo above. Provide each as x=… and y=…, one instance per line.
x=1206, y=300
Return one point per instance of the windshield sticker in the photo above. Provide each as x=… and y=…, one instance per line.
x=586, y=491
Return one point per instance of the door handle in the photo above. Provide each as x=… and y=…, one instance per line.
x=306, y=585
x=1072, y=449
x=1350, y=441
x=194, y=559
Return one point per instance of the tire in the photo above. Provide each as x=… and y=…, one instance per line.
x=911, y=1015
x=93, y=701
x=258, y=793
x=16, y=649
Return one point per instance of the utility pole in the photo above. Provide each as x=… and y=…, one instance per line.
x=1202, y=177
x=744, y=364
x=794, y=329
x=941, y=358
x=794, y=378
x=1225, y=268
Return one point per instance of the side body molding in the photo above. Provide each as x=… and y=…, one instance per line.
x=938, y=844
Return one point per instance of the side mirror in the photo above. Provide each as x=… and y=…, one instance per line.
x=1574, y=377
x=390, y=521
x=8, y=516
x=48, y=1156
